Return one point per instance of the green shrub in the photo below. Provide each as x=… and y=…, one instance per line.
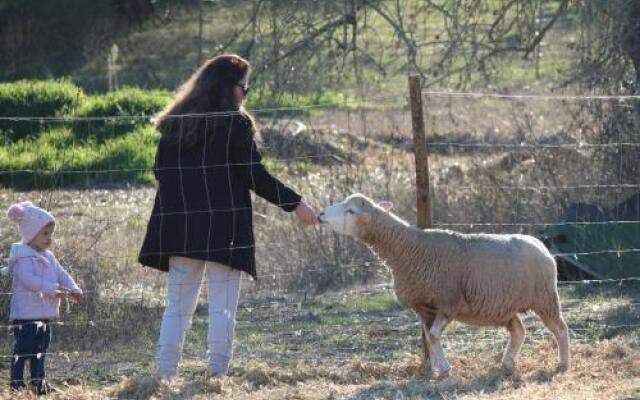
x=59, y=138
x=56, y=159
x=297, y=104
x=128, y=158
x=139, y=104
x=35, y=99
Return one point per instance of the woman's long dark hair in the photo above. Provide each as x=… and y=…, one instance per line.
x=209, y=89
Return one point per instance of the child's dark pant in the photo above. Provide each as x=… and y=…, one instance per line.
x=31, y=341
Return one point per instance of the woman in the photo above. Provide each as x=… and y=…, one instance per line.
x=206, y=164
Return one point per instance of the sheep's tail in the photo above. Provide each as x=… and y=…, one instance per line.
x=549, y=307
x=548, y=299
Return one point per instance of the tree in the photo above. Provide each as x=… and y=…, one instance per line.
x=310, y=45
x=50, y=39
x=610, y=48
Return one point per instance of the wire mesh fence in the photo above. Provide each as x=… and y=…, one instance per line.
x=499, y=164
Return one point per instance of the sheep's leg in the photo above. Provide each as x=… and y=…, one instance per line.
x=558, y=327
x=427, y=321
x=440, y=322
x=517, y=332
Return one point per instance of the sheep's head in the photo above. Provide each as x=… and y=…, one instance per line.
x=351, y=214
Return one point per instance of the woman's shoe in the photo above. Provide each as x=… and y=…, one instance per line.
x=165, y=379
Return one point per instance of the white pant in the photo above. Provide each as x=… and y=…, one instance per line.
x=183, y=287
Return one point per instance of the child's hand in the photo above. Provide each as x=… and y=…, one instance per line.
x=62, y=292
x=77, y=297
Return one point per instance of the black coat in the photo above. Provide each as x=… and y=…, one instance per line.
x=202, y=208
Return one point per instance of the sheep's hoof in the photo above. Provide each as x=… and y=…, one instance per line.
x=562, y=367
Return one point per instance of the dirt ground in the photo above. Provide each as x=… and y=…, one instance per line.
x=359, y=344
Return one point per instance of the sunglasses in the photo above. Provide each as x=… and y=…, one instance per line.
x=245, y=88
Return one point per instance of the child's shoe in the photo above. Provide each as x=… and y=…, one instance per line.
x=18, y=386
x=42, y=388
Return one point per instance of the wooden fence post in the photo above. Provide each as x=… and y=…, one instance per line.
x=422, y=170
x=421, y=156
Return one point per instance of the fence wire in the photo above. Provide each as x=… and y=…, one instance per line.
x=499, y=164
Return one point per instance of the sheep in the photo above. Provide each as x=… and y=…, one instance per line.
x=444, y=276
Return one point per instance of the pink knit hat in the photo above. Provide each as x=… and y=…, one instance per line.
x=31, y=219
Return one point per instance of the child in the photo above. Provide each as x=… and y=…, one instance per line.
x=37, y=286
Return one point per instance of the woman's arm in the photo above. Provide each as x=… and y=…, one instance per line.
x=247, y=162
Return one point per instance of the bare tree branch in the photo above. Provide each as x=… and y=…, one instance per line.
x=561, y=10
x=303, y=43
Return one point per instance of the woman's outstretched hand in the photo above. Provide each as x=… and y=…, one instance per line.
x=305, y=214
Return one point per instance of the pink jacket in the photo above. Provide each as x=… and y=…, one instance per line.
x=36, y=276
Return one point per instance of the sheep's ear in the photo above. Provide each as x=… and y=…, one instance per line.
x=386, y=205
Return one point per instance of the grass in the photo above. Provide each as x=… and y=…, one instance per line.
x=353, y=344
x=95, y=142
x=35, y=98
x=375, y=303
x=301, y=103
x=360, y=344
x=320, y=68
x=57, y=159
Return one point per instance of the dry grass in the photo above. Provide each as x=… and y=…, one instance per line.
x=482, y=188
x=360, y=345
x=354, y=353
x=601, y=370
